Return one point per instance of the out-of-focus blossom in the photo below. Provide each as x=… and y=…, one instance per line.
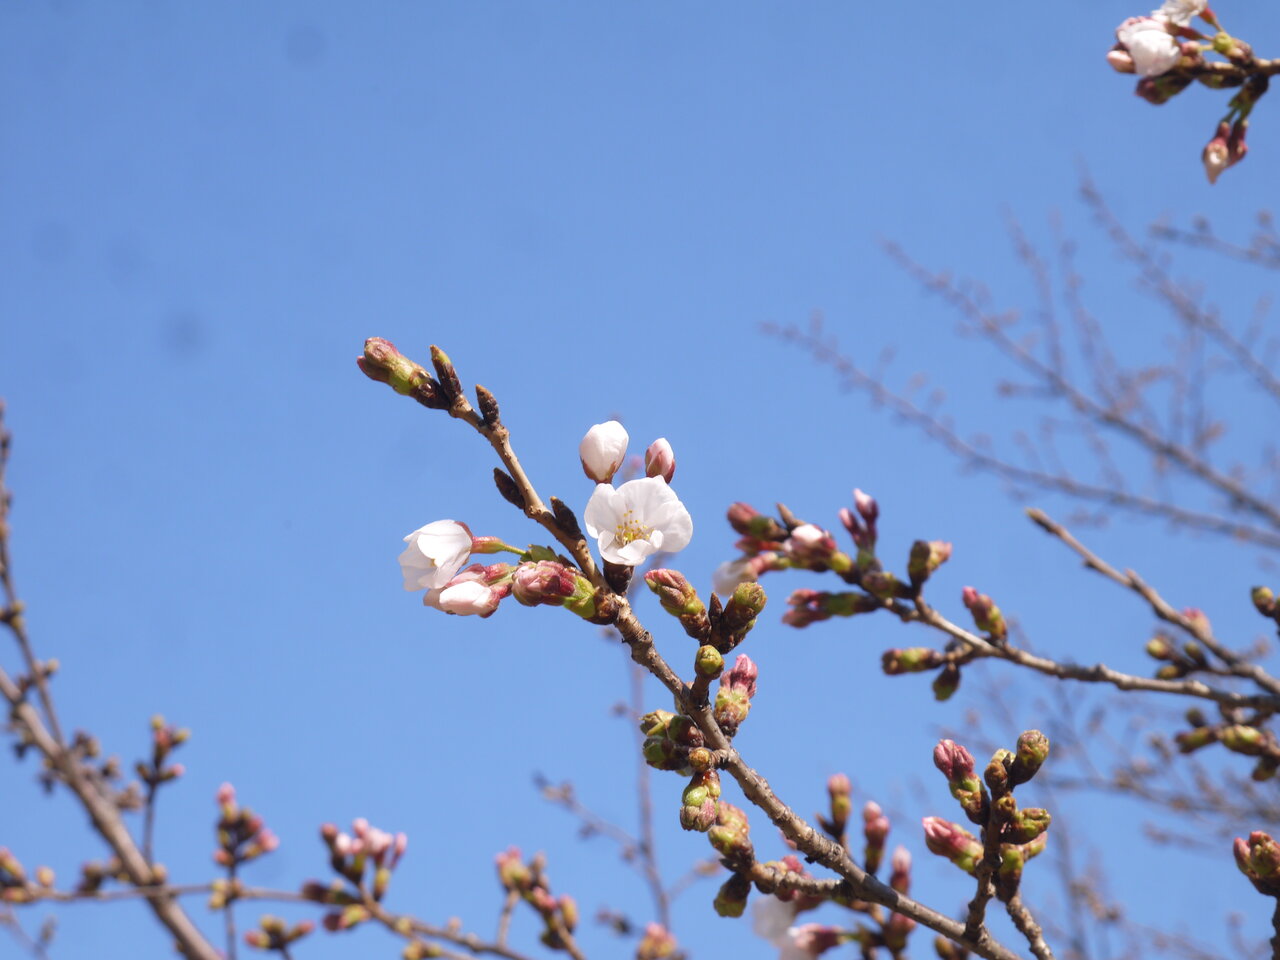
x=1179, y=12
x=1152, y=46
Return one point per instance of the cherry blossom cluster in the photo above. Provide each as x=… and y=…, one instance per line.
x=242, y=836
x=530, y=883
x=364, y=860
x=630, y=523
x=1168, y=53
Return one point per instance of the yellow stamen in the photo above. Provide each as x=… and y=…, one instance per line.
x=629, y=529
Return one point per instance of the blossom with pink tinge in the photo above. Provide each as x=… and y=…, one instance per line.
x=1153, y=48
x=476, y=591
x=435, y=553
x=809, y=544
x=771, y=918
x=808, y=940
x=660, y=460
x=1180, y=12
x=603, y=449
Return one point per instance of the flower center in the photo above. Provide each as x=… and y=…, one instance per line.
x=630, y=529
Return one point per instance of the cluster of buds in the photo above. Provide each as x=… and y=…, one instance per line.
x=989, y=803
x=241, y=834
x=365, y=850
x=657, y=943
x=721, y=625
x=669, y=741
x=15, y=885
x=164, y=740
x=1168, y=53
x=1259, y=859
x=813, y=606
x=529, y=881
x=273, y=933
x=1236, y=732
x=733, y=701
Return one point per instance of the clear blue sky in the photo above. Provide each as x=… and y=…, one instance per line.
x=592, y=207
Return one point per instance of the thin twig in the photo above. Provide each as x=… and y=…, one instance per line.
x=1027, y=926
x=1195, y=626
x=644, y=794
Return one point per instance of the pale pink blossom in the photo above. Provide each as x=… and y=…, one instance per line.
x=1180, y=12
x=1152, y=46
x=771, y=918
x=660, y=460
x=476, y=591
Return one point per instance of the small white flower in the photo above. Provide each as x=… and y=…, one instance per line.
x=636, y=520
x=731, y=573
x=771, y=918
x=1180, y=12
x=435, y=553
x=603, y=449
x=1153, y=48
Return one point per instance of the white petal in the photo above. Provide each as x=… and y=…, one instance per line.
x=602, y=510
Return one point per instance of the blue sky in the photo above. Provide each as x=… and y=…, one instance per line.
x=593, y=208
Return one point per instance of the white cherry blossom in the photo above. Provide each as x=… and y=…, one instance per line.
x=1153, y=48
x=1180, y=12
x=435, y=553
x=637, y=519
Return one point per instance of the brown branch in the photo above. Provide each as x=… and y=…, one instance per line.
x=986, y=871
x=810, y=841
x=1027, y=926
x=469, y=941
x=1197, y=627
x=1098, y=673
x=103, y=813
x=824, y=351
x=644, y=794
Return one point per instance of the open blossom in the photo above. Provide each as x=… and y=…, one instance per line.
x=602, y=450
x=729, y=574
x=476, y=591
x=1180, y=12
x=1152, y=46
x=435, y=553
x=637, y=519
x=771, y=918
x=808, y=940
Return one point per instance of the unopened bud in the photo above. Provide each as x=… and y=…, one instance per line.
x=1264, y=600
x=986, y=615
x=733, y=701
x=660, y=460
x=750, y=522
x=910, y=660
x=731, y=834
x=1259, y=860
x=1240, y=738
x=602, y=450
x=947, y=682
x=657, y=944
x=709, y=662
x=1033, y=750
x=953, y=842
x=731, y=898
x=699, y=801
x=740, y=612
x=926, y=557
x=544, y=582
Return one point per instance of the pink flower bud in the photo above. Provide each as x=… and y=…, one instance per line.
x=1120, y=61
x=546, y=582
x=809, y=544
x=955, y=762
x=743, y=675
x=660, y=460
x=602, y=450
x=226, y=795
